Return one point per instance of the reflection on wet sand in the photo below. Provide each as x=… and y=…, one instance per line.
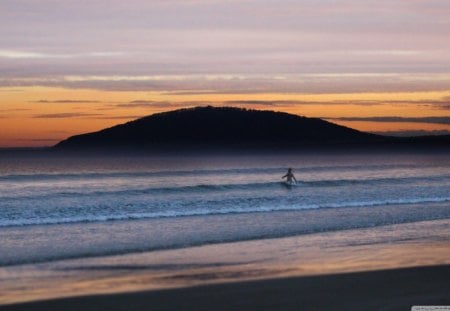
x=387, y=247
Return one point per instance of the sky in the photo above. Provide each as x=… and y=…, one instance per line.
x=70, y=67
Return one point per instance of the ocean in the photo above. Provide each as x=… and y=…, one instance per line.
x=56, y=207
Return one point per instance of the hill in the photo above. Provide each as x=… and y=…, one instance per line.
x=220, y=127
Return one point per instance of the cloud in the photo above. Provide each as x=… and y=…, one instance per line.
x=279, y=103
x=11, y=54
x=434, y=120
x=65, y=115
x=39, y=139
x=19, y=54
x=190, y=92
x=145, y=104
x=265, y=37
x=120, y=117
x=15, y=109
x=167, y=104
x=191, y=84
x=302, y=102
x=11, y=90
x=408, y=133
x=65, y=101
x=253, y=102
x=160, y=104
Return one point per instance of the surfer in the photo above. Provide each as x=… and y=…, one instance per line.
x=290, y=178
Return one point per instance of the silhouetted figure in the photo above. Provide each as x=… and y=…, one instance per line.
x=290, y=178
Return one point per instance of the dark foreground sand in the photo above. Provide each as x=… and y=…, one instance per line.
x=397, y=289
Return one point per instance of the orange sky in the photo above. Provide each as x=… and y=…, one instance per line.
x=42, y=116
x=70, y=67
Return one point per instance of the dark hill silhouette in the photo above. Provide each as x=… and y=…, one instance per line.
x=220, y=127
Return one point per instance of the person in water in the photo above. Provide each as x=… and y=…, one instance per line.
x=290, y=178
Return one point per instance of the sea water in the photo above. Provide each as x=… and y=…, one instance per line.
x=70, y=206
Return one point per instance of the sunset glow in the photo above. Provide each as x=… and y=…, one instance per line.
x=42, y=116
x=68, y=68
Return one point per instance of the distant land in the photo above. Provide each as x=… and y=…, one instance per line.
x=233, y=128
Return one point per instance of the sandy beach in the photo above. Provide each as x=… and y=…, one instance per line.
x=397, y=289
x=387, y=268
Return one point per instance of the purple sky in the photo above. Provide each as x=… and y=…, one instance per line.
x=259, y=42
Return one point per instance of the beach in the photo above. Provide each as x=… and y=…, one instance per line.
x=352, y=291
x=388, y=267
x=357, y=231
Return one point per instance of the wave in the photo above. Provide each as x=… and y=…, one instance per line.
x=256, y=186
x=233, y=209
x=199, y=172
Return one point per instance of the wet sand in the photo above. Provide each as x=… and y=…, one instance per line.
x=388, y=268
x=397, y=289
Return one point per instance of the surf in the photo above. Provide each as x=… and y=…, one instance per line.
x=231, y=206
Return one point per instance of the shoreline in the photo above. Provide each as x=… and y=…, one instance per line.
x=191, y=231
x=349, y=291
x=322, y=254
